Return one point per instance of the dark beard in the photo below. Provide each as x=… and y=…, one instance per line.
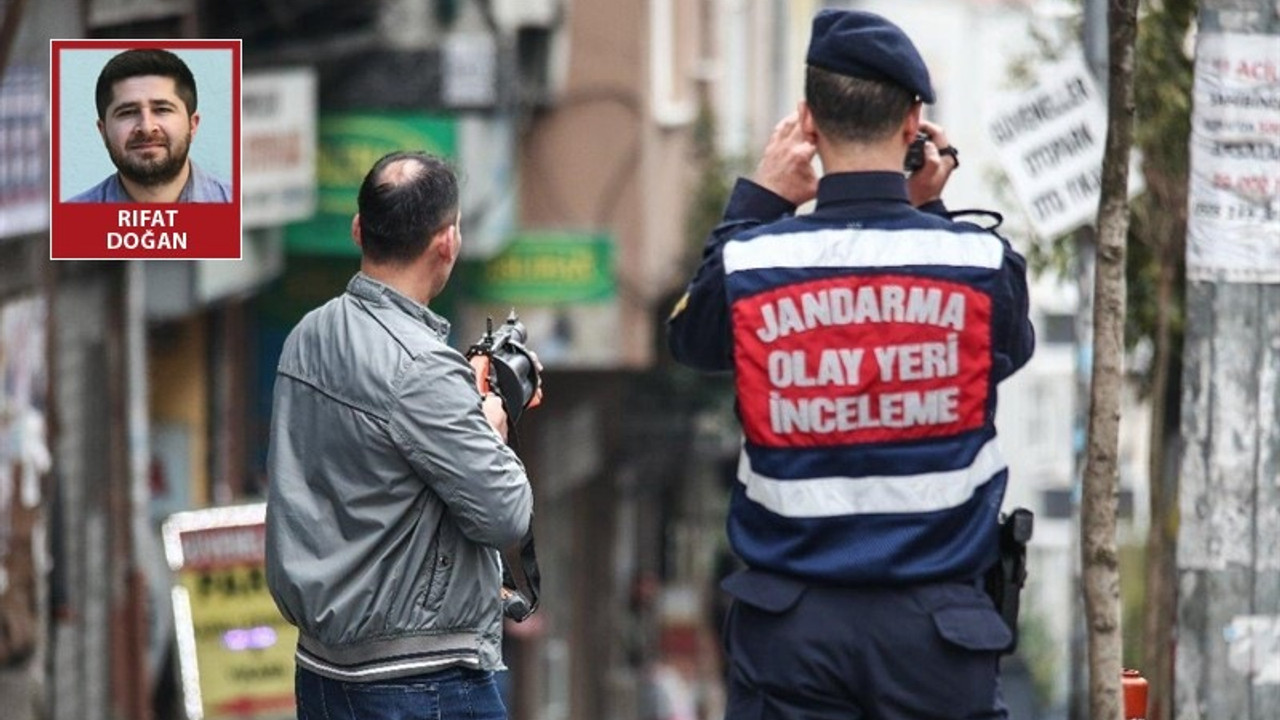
x=150, y=173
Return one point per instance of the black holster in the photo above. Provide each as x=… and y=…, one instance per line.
x=1005, y=579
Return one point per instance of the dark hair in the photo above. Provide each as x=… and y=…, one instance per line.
x=853, y=109
x=406, y=199
x=136, y=63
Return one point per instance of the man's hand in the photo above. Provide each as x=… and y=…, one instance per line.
x=925, y=185
x=786, y=168
x=496, y=414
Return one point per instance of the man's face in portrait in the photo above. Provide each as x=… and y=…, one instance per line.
x=147, y=129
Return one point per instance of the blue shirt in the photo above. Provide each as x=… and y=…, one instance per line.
x=201, y=187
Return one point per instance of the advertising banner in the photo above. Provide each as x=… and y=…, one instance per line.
x=235, y=649
x=279, y=115
x=24, y=206
x=547, y=267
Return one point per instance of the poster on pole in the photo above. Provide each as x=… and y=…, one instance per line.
x=1050, y=139
x=235, y=650
x=1233, y=224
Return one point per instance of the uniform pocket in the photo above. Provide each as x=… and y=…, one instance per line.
x=973, y=628
x=765, y=591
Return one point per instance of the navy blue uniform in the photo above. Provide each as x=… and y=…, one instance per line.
x=867, y=340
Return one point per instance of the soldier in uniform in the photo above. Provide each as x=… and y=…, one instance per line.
x=867, y=339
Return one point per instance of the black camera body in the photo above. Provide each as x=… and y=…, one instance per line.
x=513, y=372
x=510, y=370
x=915, y=153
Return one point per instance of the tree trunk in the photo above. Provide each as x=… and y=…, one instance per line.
x=1099, y=560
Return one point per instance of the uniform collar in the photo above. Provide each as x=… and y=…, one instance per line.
x=366, y=288
x=881, y=186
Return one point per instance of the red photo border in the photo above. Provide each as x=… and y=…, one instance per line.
x=80, y=231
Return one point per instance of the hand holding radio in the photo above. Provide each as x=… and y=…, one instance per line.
x=928, y=171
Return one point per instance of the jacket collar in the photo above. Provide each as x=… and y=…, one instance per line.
x=863, y=186
x=366, y=288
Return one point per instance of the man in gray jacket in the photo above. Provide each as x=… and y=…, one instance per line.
x=391, y=484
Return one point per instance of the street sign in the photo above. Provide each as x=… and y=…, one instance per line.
x=1050, y=139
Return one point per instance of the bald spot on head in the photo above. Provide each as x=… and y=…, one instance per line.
x=401, y=172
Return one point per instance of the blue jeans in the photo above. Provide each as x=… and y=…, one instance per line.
x=453, y=694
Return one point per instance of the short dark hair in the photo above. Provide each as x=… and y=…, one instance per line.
x=149, y=61
x=853, y=109
x=405, y=200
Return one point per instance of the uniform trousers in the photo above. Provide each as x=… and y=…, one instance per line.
x=809, y=652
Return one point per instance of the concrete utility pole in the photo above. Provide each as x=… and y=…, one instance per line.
x=1228, y=654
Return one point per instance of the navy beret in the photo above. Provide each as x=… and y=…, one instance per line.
x=864, y=45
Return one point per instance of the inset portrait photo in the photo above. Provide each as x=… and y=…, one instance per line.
x=145, y=149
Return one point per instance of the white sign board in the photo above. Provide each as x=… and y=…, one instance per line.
x=470, y=70
x=1050, y=139
x=278, y=141
x=1233, y=227
x=24, y=151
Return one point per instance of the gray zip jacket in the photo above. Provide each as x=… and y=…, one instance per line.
x=388, y=493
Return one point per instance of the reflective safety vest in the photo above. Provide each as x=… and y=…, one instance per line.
x=866, y=356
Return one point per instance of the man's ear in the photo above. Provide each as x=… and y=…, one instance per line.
x=355, y=231
x=102, y=130
x=445, y=245
x=911, y=125
x=195, y=123
x=808, y=125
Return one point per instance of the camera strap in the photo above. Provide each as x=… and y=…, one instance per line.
x=520, y=594
x=520, y=590
x=993, y=218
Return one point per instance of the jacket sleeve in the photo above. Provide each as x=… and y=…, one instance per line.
x=440, y=428
x=698, y=330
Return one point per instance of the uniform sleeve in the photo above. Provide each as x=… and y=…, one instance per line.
x=698, y=331
x=440, y=428
x=1018, y=336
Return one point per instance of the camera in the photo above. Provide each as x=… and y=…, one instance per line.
x=915, y=153
x=512, y=372
x=505, y=366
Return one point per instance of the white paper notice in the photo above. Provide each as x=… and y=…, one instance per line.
x=1233, y=229
x=1050, y=139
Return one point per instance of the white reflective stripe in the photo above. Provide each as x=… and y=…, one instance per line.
x=857, y=247
x=834, y=496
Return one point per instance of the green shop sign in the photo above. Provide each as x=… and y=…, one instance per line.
x=349, y=144
x=546, y=268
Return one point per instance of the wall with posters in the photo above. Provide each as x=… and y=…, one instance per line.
x=24, y=462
